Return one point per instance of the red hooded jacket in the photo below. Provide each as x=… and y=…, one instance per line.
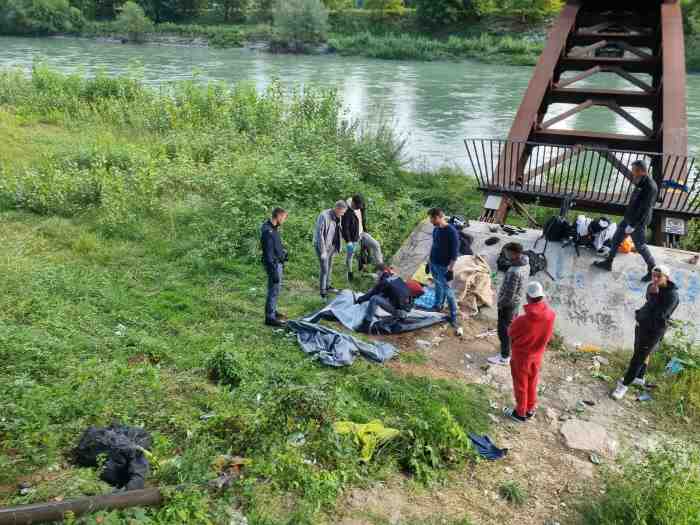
x=531, y=332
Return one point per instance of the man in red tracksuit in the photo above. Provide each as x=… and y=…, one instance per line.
x=529, y=333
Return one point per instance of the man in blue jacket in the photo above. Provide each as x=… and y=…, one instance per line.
x=443, y=256
x=636, y=220
x=273, y=257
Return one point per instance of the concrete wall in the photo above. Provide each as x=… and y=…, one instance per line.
x=593, y=307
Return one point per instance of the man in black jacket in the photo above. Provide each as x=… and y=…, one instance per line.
x=391, y=294
x=652, y=322
x=273, y=257
x=636, y=220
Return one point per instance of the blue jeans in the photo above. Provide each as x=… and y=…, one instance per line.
x=443, y=290
x=274, y=273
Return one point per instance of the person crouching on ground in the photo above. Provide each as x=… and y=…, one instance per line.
x=391, y=294
x=273, y=257
x=443, y=256
x=510, y=296
x=354, y=228
x=652, y=322
x=327, y=243
x=530, y=334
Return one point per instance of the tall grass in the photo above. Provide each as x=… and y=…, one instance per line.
x=131, y=276
x=507, y=49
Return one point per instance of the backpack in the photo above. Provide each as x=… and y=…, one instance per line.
x=538, y=262
x=556, y=229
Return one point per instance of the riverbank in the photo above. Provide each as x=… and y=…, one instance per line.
x=487, y=47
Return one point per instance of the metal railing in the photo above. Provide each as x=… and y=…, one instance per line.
x=596, y=176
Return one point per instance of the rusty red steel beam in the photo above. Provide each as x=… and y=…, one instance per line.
x=566, y=114
x=576, y=78
x=583, y=51
x=675, y=118
x=614, y=106
x=633, y=99
x=617, y=163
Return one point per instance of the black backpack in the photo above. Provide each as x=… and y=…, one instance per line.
x=556, y=229
x=538, y=262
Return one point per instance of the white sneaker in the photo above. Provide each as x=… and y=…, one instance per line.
x=619, y=391
x=498, y=360
x=459, y=332
x=639, y=381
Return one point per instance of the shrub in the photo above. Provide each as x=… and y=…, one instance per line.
x=512, y=492
x=692, y=240
x=232, y=10
x=299, y=22
x=39, y=17
x=338, y=5
x=664, y=488
x=133, y=21
x=384, y=5
x=439, y=13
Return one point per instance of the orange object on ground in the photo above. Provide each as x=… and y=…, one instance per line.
x=626, y=246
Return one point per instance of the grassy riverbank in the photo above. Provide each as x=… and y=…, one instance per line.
x=131, y=273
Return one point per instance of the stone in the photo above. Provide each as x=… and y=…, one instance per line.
x=588, y=436
x=582, y=468
x=499, y=373
x=550, y=414
x=422, y=343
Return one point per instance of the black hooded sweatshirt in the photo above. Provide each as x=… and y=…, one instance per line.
x=657, y=311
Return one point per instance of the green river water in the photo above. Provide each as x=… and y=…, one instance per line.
x=434, y=105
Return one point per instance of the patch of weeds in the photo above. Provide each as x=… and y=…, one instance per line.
x=663, y=488
x=414, y=358
x=513, y=493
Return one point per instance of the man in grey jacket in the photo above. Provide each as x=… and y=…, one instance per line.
x=636, y=220
x=510, y=296
x=327, y=235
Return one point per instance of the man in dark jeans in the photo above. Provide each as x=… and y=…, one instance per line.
x=273, y=257
x=443, y=256
x=391, y=294
x=510, y=296
x=652, y=322
x=636, y=220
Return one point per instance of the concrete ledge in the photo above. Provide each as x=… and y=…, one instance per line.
x=593, y=307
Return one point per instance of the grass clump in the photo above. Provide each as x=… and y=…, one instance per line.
x=132, y=290
x=663, y=488
x=512, y=492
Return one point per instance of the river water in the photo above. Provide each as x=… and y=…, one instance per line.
x=434, y=105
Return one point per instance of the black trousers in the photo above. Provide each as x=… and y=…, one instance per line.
x=645, y=342
x=505, y=317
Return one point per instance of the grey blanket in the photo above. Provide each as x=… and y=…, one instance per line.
x=335, y=348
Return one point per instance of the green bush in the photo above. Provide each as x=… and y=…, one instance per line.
x=352, y=21
x=133, y=21
x=663, y=488
x=384, y=5
x=440, y=13
x=39, y=17
x=692, y=240
x=300, y=22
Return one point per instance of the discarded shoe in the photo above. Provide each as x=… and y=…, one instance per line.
x=604, y=265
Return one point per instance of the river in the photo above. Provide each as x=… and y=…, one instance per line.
x=433, y=105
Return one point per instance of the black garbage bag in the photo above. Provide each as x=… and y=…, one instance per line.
x=122, y=447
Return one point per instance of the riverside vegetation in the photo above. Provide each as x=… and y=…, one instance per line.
x=132, y=291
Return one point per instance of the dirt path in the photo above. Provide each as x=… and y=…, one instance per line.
x=539, y=460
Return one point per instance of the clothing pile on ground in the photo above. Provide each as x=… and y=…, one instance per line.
x=596, y=233
x=471, y=284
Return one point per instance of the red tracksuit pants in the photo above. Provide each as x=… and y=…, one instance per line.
x=525, y=370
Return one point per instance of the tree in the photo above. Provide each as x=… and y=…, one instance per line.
x=299, y=22
x=39, y=17
x=440, y=13
x=133, y=21
x=338, y=5
x=232, y=10
x=384, y=5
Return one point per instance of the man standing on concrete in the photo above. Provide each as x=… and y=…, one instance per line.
x=327, y=243
x=443, y=255
x=530, y=334
x=636, y=220
x=652, y=322
x=273, y=257
x=510, y=296
x=354, y=227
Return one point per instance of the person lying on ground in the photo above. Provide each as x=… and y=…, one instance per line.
x=391, y=294
x=510, y=297
x=274, y=256
x=327, y=244
x=530, y=334
x=652, y=323
x=636, y=220
x=443, y=256
x=354, y=229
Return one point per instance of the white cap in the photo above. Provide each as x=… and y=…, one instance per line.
x=662, y=269
x=535, y=290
